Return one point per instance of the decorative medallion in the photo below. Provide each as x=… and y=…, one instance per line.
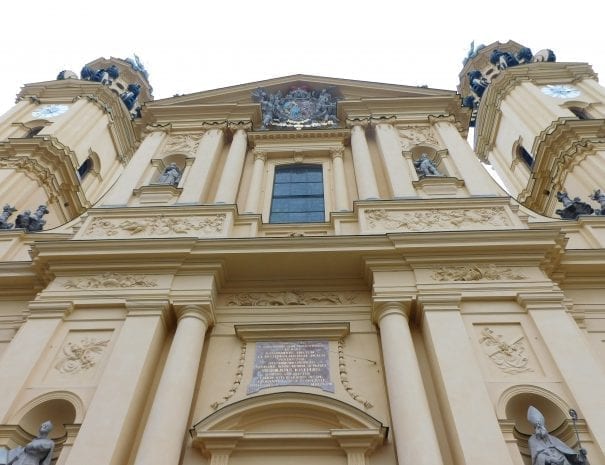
x=50, y=111
x=508, y=356
x=81, y=356
x=562, y=91
x=300, y=108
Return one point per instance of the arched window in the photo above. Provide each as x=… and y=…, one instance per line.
x=581, y=113
x=298, y=195
x=85, y=168
x=524, y=155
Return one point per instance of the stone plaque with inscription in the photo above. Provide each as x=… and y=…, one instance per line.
x=291, y=363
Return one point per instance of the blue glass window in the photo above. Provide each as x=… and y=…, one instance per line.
x=298, y=194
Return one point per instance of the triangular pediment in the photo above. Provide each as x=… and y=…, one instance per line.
x=345, y=89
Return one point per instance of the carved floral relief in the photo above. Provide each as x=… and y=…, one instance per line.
x=508, y=355
x=475, y=273
x=436, y=219
x=109, y=280
x=182, y=143
x=417, y=135
x=80, y=356
x=295, y=297
x=157, y=226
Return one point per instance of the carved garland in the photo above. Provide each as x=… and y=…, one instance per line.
x=475, y=273
x=157, y=225
x=109, y=280
x=295, y=297
x=237, y=381
x=344, y=376
x=81, y=356
x=436, y=219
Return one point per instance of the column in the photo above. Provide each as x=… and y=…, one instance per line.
x=108, y=432
x=475, y=176
x=202, y=170
x=573, y=356
x=255, y=189
x=167, y=423
x=234, y=166
x=341, y=198
x=475, y=432
x=396, y=169
x=413, y=430
x=26, y=348
x=362, y=162
x=121, y=191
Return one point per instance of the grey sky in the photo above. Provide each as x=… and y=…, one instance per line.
x=189, y=47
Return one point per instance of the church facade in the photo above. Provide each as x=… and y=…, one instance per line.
x=306, y=268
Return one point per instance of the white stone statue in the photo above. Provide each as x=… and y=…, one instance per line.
x=38, y=452
x=546, y=449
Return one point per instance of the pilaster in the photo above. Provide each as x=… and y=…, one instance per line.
x=362, y=160
x=396, y=167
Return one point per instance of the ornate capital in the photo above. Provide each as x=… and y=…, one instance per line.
x=383, y=122
x=433, y=119
x=202, y=312
x=259, y=155
x=337, y=152
x=361, y=122
x=235, y=126
x=402, y=306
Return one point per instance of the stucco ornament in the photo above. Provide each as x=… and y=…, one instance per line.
x=81, y=356
x=508, y=356
x=489, y=272
x=38, y=452
x=344, y=377
x=246, y=299
x=157, y=225
x=182, y=143
x=546, y=449
x=109, y=280
x=238, y=378
x=300, y=108
x=416, y=135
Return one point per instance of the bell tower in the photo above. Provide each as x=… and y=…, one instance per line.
x=67, y=140
x=540, y=124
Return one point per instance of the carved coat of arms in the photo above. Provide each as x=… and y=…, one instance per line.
x=300, y=108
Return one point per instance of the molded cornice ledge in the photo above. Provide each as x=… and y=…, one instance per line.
x=439, y=302
x=149, y=307
x=541, y=301
x=50, y=309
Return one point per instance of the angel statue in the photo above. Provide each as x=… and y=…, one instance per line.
x=38, y=452
x=546, y=449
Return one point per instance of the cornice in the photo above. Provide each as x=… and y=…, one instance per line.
x=501, y=86
x=557, y=148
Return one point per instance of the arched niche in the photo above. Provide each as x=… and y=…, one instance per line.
x=286, y=426
x=161, y=164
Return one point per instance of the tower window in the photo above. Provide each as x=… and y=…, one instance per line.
x=525, y=156
x=579, y=112
x=298, y=194
x=85, y=168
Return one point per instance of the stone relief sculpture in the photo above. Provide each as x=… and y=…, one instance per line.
x=508, y=356
x=184, y=143
x=81, y=356
x=171, y=175
x=157, y=226
x=295, y=297
x=31, y=222
x=7, y=211
x=546, y=449
x=416, y=135
x=38, y=452
x=299, y=108
x=489, y=272
x=426, y=167
x=109, y=280
x=436, y=219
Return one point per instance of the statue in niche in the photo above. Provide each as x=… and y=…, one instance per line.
x=425, y=167
x=6, y=212
x=31, y=222
x=596, y=195
x=572, y=208
x=546, y=449
x=38, y=452
x=171, y=175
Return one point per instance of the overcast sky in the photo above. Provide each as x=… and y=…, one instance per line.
x=213, y=44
